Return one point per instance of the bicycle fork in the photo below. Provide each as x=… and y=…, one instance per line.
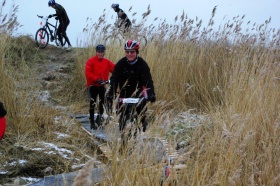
x=128, y=127
x=41, y=33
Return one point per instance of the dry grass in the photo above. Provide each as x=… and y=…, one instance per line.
x=230, y=75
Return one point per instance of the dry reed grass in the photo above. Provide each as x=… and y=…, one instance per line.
x=231, y=75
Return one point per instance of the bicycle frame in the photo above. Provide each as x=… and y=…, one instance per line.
x=48, y=26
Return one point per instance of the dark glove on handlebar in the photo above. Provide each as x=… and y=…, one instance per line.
x=100, y=82
x=56, y=18
x=50, y=16
x=152, y=97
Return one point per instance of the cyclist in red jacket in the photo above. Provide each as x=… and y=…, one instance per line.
x=97, y=72
x=3, y=112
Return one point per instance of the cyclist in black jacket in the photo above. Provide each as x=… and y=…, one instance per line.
x=122, y=17
x=131, y=75
x=64, y=21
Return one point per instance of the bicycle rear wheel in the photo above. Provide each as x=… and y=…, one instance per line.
x=42, y=38
x=57, y=42
x=142, y=40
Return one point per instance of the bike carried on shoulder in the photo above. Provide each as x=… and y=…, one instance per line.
x=47, y=33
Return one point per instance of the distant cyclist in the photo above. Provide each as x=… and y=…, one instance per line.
x=64, y=21
x=122, y=17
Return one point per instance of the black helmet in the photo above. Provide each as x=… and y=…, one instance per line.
x=51, y=2
x=115, y=5
x=100, y=48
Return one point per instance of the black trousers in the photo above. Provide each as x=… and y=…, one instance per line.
x=61, y=32
x=95, y=91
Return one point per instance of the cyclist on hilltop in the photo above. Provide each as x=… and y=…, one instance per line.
x=132, y=77
x=122, y=17
x=97, y=72
x=64, y=21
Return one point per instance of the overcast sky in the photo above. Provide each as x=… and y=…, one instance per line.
x=78, y=11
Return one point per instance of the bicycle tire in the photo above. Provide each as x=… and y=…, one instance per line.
x=109, y=40
x=129, y=127
x=57, y=42
x=142, y=40
x=42, y=38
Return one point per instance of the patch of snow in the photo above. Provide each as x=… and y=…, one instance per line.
x=2, y=172
x=37, y=149
x=60, y=151
x=77, y=166
x=60, y=135
x=44, y=96
x=29, y=179
x=22, y=162
x=57, y=119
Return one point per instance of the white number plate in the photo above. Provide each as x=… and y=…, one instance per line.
x=129, y=100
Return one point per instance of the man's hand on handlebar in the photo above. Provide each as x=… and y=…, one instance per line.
x=152, y=98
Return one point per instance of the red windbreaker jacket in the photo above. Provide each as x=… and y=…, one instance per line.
x=98, y=69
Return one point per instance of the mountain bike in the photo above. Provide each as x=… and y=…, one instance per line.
x=119, y=36
x=128, y=120
x=47, y=32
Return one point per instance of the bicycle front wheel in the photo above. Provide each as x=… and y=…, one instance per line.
x=42, y=38
x=113, y=40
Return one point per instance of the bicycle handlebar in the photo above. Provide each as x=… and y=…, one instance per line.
x=105, y=82
x=46, y=17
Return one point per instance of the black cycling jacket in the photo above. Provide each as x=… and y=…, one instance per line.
x=128, y=78
x=61, y=14
x=122, y=15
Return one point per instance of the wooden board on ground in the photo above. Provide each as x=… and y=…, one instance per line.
x=109, y=134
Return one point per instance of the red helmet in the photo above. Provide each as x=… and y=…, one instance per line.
x=131, y=45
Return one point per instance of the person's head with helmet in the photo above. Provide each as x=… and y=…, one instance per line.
x=100, y=50
x=115, y=6
x=51, y=3
x=131, y=48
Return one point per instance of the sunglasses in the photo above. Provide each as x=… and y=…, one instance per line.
x=130, y=51
x=100, y=51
